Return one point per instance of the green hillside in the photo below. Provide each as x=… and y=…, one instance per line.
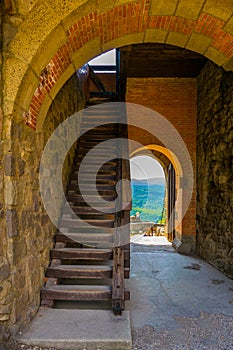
x=148, y=198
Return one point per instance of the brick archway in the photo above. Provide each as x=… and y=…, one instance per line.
x=74, y=35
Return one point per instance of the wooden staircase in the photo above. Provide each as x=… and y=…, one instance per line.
x=86, y=263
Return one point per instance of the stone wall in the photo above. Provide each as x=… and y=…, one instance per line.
x=5, y=295
x=215, y=167
x=24, y=254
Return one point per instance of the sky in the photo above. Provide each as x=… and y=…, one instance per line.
x=143, y=167
x=108, y=58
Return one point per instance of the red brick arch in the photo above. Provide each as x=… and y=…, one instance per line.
x=115, y=24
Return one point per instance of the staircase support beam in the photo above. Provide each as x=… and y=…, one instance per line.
x=118, y=289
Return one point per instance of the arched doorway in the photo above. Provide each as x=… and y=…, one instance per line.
x=148, y=193
x=172, y=171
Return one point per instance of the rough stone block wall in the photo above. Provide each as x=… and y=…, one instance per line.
x=215, y=167
x=176, y=100
x=29, y=231
x=5, y=285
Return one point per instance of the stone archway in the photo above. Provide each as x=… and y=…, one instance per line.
x=54, y=40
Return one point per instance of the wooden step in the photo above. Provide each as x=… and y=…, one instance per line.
x=90, y=143
x=101, y=137
x=104, y=110
x=99, y=182
x=91, y=193
x=87, y=216
x=74, y=197
x=84, y=144
x=91, y=187
x=79, y=271
x=74, y=186
x=79, y=292
x=94, y=101
x=97, y=159
x=92, y=168
x=101, y=151
x=103, y=212
x=88, y=132
x=95, y=204
x=103, y=175
x=84, y=148
x=89, y=210
x=104, y=156
x=107, y=124
x=93, y=222
x=82, y=271
x=95, y=163
x=106, y=116
x=92, y=238
x=89, y=181
x=85, y=230
x=85, y=254
x=82, y=254
x=104, y=120
x=100, y=130
x=100, y=112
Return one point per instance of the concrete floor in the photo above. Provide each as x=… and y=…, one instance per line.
x=77, y=330
x=177, y=302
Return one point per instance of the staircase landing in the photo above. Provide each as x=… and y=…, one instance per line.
x=78, y=330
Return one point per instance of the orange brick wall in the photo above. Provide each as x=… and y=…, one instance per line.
x=175, y=99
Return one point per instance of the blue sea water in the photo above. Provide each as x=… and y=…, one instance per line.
x=148, y=198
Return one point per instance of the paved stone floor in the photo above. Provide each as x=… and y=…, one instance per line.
x=177, y=302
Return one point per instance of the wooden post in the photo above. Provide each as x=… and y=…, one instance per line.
x=118, y=288
x=171, y=202
x=121, y=218
x=52, y=281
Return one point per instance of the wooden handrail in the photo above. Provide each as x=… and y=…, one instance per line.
x=125, y=166
x=126, y=186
